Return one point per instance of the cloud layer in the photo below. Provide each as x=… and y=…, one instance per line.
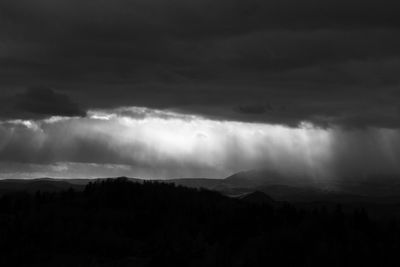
x=306, y=86
x=151, y=143
x=331, y=62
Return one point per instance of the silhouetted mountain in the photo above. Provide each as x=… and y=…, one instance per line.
x=242, y=182
x=256, y=178
x=280, y=187
x=301, y=188
x=122, y=223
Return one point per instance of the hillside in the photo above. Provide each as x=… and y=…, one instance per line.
x=122, y=223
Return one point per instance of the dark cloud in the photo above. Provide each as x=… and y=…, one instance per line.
x=45, y=101
x=252, y=109
x=330, y=62
x=38, y=102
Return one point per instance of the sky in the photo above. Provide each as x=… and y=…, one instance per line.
x=190, y=88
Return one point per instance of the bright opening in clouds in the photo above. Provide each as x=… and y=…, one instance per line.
x=151, y=143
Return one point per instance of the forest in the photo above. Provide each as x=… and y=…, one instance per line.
x=117, y=222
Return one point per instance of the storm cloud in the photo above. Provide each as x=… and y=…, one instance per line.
x=44, y=101
x=182, y=88
x=38, y=103
x=330, y=63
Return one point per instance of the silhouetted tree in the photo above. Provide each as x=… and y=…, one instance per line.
x=121, y=223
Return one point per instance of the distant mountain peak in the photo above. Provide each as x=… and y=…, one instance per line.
x=256, y=178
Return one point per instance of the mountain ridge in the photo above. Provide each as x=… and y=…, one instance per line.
x=279, y=187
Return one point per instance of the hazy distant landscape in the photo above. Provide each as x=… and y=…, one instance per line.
x=378, y=188
x=380, y=200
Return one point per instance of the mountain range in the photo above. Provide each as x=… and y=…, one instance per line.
x=277, y=186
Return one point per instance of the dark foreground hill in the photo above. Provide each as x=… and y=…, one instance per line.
x=122, y=223
x=384, y=203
